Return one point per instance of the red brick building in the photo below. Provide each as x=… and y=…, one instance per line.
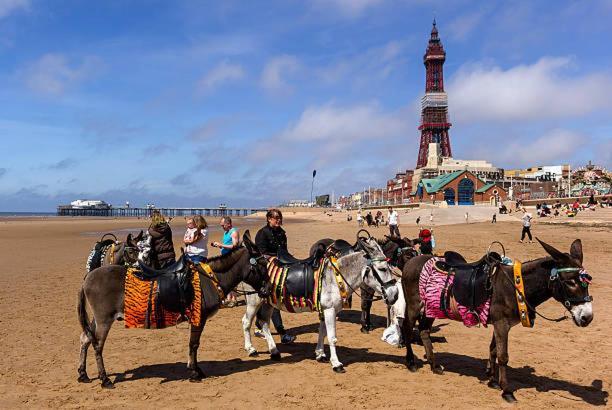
x=458, y=188
x=398, y=188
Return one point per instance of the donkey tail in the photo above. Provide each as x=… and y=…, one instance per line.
x=84, y=318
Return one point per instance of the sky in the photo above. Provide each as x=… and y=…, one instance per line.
x=194, y=103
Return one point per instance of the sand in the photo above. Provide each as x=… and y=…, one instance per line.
x=553, y=365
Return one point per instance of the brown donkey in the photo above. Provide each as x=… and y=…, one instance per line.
x=103, y=289
x=560, y=276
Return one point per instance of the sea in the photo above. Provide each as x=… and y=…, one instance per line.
x=13, y=214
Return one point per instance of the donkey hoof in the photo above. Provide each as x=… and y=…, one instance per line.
x=83, y=378
x=322, y=359
x=438, y=369
x=412, y=367
x=253, y=353
x=508, y=396
x=275, y=356
x=339, y=369
x=196, y=375
x=364, y=330
x=107, y=384
x=494, y=385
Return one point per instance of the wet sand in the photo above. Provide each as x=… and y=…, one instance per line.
x=552, y=365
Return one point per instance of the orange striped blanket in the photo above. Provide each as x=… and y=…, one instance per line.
x=142, y=310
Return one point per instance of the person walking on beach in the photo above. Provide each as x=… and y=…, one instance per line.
x=269, y=240
x=162, y=248
x=527, y=217
x=467, y=217
x=196, y=239
x=494, y=220
x=418, y=220
x=393, y=219
x=359, y=219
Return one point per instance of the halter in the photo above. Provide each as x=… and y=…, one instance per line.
x=585, y=280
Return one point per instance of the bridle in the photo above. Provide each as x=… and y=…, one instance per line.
x=383, y=285
x=253, y=263
x=567, y=300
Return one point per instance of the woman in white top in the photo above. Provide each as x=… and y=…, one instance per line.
x=196, y=239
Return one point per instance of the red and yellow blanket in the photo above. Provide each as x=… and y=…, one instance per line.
x=142, y=309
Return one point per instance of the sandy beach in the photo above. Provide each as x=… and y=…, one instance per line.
x=552, y=365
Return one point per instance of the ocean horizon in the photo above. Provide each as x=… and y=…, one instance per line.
x=25, y=214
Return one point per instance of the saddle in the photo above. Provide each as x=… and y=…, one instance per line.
x=299, y=281
x=341, y=247
x=471, y=283
x=173, y=283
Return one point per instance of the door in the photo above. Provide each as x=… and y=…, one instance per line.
x=449, y=196
x=466, y=192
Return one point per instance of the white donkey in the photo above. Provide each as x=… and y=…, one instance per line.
x=367, y=265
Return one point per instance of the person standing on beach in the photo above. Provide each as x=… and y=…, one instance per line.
x=196, y=239
x=162, y=247
x=467, y=217
x=393, y=219
x=231, y=236
x=527, y=217
x=269, y=240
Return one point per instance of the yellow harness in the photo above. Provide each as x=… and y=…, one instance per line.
x=341, y=285
x=211, y=275
x=520, y=295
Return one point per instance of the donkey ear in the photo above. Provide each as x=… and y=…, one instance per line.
x=246, y=240
x=129, y=240
x=576, y=250
x=556, y=254
x=140, y=236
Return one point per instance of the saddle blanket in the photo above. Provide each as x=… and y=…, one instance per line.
x=142, y=310
x=284, y=300
x=431, y=285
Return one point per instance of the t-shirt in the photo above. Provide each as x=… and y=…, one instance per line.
x=227, y=240
x=199, y=247
x=392, y=218
x=527, y=220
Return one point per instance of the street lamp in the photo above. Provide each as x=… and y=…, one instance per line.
x=314, y=173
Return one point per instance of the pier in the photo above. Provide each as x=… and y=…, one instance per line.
x=67, y=210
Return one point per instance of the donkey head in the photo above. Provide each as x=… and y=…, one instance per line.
x=570, y=282
x=376, y=273
x=257, y=276
x=144, y=249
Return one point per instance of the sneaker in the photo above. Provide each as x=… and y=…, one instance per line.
x=259, y=333
x=287, y=338
x=521, y=241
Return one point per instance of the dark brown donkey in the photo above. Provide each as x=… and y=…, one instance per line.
x=560, y=276
x=103, y=288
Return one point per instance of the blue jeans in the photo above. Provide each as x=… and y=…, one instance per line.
x=196, y=258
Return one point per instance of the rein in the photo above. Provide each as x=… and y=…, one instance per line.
x=374, y=298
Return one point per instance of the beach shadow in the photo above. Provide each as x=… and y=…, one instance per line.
x=292, y=353
x=524, y=377
x=354, y=316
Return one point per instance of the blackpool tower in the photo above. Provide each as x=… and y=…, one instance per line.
x=434, y=104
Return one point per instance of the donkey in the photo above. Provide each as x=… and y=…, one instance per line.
x=560, y=276
x=367, y=265
x=113, y=252
x=104, y=287
x=397, y=250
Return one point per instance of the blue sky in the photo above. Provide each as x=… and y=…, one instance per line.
x=193, y=103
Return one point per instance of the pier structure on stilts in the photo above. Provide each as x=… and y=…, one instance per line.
x=67, y=210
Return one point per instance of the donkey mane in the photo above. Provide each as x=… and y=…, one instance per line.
x=222, y=263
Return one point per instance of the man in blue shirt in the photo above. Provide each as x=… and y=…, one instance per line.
x=231, y=236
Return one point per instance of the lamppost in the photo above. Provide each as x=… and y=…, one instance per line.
x=314, y=173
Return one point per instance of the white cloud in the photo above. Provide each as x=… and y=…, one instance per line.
x=526, y=92
x=222, y=73
x=10, y=6
x=52, y=74
x=347, y=8
x=325, y=133
x=273, y=76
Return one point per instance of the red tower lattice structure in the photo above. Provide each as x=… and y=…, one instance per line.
x=434, y=104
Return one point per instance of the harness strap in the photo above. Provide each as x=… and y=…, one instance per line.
x=520, y=295
x=208, y=272
x=341, y=283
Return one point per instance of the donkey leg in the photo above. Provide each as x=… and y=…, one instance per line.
x=492, y=365
x=196, y=374
x=320, y=350
x=85, y=343
x=101, y=333
x=266, y=312
x=425, y=324
x=409, y=319
x=501, y=339
x=247, y=323
x=330, y=324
